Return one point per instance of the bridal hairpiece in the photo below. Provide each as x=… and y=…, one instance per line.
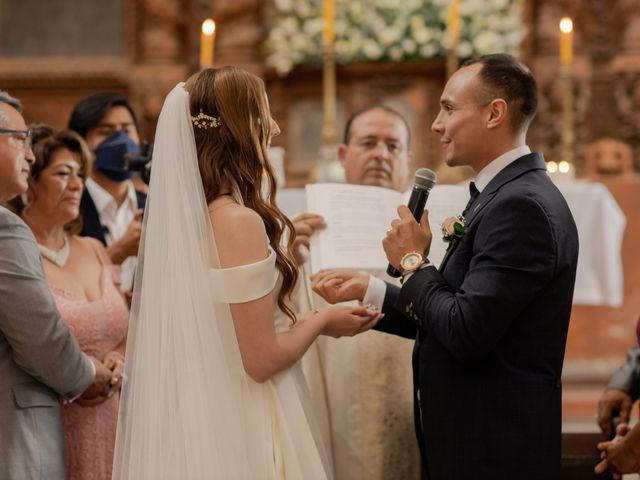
x=202, y=120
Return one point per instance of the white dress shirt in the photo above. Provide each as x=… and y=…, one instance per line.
x=377, y=288
x=116, y=220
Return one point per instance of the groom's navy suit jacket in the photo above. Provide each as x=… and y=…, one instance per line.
x=490, y=327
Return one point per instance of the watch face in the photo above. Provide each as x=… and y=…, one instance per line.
x=411, y=260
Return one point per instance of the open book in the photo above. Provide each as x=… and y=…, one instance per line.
x=358, y=218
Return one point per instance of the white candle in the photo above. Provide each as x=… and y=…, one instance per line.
x=566, y=41
x=207, y=43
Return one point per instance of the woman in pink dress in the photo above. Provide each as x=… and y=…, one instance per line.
x=83, y=283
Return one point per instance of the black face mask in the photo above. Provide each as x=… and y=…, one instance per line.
x=110, y=156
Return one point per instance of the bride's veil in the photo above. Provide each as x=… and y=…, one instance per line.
x=179, y=409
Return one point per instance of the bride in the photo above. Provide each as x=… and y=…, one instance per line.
x=214, y=388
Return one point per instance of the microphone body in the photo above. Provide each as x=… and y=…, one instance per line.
x=424, y=180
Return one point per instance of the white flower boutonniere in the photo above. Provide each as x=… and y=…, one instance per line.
x=453, y=228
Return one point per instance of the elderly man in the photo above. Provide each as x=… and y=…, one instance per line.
x=491, y=322
x=362, y=385
x=39, y=358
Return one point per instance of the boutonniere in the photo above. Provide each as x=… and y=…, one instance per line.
x=453, y=228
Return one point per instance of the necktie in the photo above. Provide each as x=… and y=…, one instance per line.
x=474, y=192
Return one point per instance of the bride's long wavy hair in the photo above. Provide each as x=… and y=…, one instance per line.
x=234, y=155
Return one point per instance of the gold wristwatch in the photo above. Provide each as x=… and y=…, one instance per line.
x=411, y=262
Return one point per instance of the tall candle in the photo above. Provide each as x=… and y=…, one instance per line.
x=566, y=41
x=207, y=40
x=329, y=19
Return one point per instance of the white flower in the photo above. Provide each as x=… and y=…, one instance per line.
x=283, y=5
x=464, y=49
x=341, y=27
x=371, y=49
x=470, y=7
x=409, y=46
x=428, y=50
x=484, y=41
x=372, y=30
x=422, y=35
x=388, y=36
x=373, y=20
x=312, y=26
x=302, y=9
x=395, y=53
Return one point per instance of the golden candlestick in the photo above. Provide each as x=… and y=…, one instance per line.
x=566, y=78
x=207, y=43
x=454, y=27
x=328, y=168
x=329, y=20
x=328, y=72
x=329, y=94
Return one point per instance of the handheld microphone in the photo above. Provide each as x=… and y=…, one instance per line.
x=423, y=181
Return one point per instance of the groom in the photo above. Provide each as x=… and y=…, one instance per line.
x=491, y=322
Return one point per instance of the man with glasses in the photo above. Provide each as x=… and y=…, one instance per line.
x=39, y=358
x=22, y=137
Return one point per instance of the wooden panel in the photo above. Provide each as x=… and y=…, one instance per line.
x=36, y=28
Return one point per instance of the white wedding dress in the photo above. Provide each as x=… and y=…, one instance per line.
x=188, y=410
x=281, y=434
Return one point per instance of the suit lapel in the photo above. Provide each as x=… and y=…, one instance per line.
x=476, y=207
x=526, y=163
x=91, y=226
x=447, y=254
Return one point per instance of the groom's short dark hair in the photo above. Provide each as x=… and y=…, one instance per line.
x=504, y=76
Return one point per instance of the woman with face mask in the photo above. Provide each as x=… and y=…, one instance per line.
x=84, y=285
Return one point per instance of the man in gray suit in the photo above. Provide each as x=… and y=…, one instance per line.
x=39, y=358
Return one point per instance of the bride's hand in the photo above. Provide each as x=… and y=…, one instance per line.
x=348, y=321
x=337, y=286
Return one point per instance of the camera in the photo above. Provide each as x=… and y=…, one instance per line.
x=140, y=162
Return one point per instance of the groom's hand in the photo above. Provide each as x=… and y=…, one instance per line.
x=406, y=235
x=337, y=286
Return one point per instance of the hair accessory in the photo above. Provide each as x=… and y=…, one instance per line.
x=202, y=120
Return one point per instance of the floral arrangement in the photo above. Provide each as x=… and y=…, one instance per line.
x=390, y=30
x=453, y=228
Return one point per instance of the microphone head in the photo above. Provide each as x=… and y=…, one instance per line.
x=425, y=178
